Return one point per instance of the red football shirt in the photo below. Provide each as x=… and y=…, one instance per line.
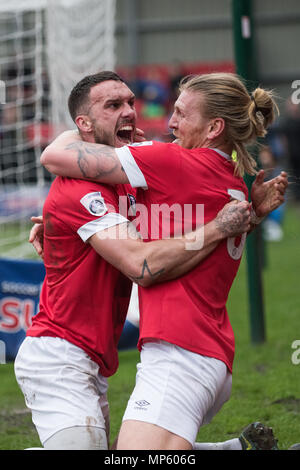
x=191, y=310
x=84, y=299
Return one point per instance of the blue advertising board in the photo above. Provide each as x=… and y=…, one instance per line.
x=20, y=285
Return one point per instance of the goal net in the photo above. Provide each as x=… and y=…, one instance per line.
x=45, y=48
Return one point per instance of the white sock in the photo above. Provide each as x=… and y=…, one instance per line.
x=232, y=444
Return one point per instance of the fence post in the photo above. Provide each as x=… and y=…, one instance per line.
x=246, y=68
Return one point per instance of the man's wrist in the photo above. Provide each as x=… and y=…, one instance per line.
x=216, y=231
x=254, y=219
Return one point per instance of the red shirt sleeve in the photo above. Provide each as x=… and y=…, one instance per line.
x=158, y=162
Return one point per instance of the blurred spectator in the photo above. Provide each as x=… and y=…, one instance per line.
x=290, y=127
x=23, y=124
x=130, y=75
x=154, y=93
x=271, y=163
x=175, y=75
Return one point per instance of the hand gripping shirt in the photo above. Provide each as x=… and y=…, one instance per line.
x=178, y=190
x=84, y=299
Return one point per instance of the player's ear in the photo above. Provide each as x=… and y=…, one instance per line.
x=83, y=123
x=216, y=128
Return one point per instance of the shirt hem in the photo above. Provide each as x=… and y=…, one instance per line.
x=200, y=351
x=103, y=370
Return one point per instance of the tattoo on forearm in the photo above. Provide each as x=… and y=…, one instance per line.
x=146, y=268
x=94, y=161
x=231, y=220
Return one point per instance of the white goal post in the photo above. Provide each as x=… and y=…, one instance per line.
x=46, y=46
x=80, y=41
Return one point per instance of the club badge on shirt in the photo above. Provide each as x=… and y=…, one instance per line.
x=132, y=205
x=94, y=203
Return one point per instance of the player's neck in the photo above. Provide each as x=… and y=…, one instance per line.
x=87, y=137
x=223, y=147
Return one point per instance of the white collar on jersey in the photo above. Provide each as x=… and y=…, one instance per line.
x=223, y=154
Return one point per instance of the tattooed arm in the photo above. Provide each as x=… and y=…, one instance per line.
x=162, y=260
x=70, y=156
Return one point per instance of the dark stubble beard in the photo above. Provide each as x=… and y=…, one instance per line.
x=101, y=137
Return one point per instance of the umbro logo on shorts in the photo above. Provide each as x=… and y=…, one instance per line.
x=142, y=403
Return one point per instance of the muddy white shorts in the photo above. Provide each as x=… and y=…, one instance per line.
x=177, y=389
x=62, y=386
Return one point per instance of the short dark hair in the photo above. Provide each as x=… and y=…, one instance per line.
x=81, y=90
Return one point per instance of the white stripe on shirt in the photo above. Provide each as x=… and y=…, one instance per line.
x=94, y=226
x=133, y=173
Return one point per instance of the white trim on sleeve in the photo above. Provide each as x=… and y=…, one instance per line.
x=94, y=226
x=133, y=172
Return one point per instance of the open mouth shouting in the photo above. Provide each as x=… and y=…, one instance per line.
x=125, y=133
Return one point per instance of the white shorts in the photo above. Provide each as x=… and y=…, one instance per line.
x=61, y=385
x=177, y=389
